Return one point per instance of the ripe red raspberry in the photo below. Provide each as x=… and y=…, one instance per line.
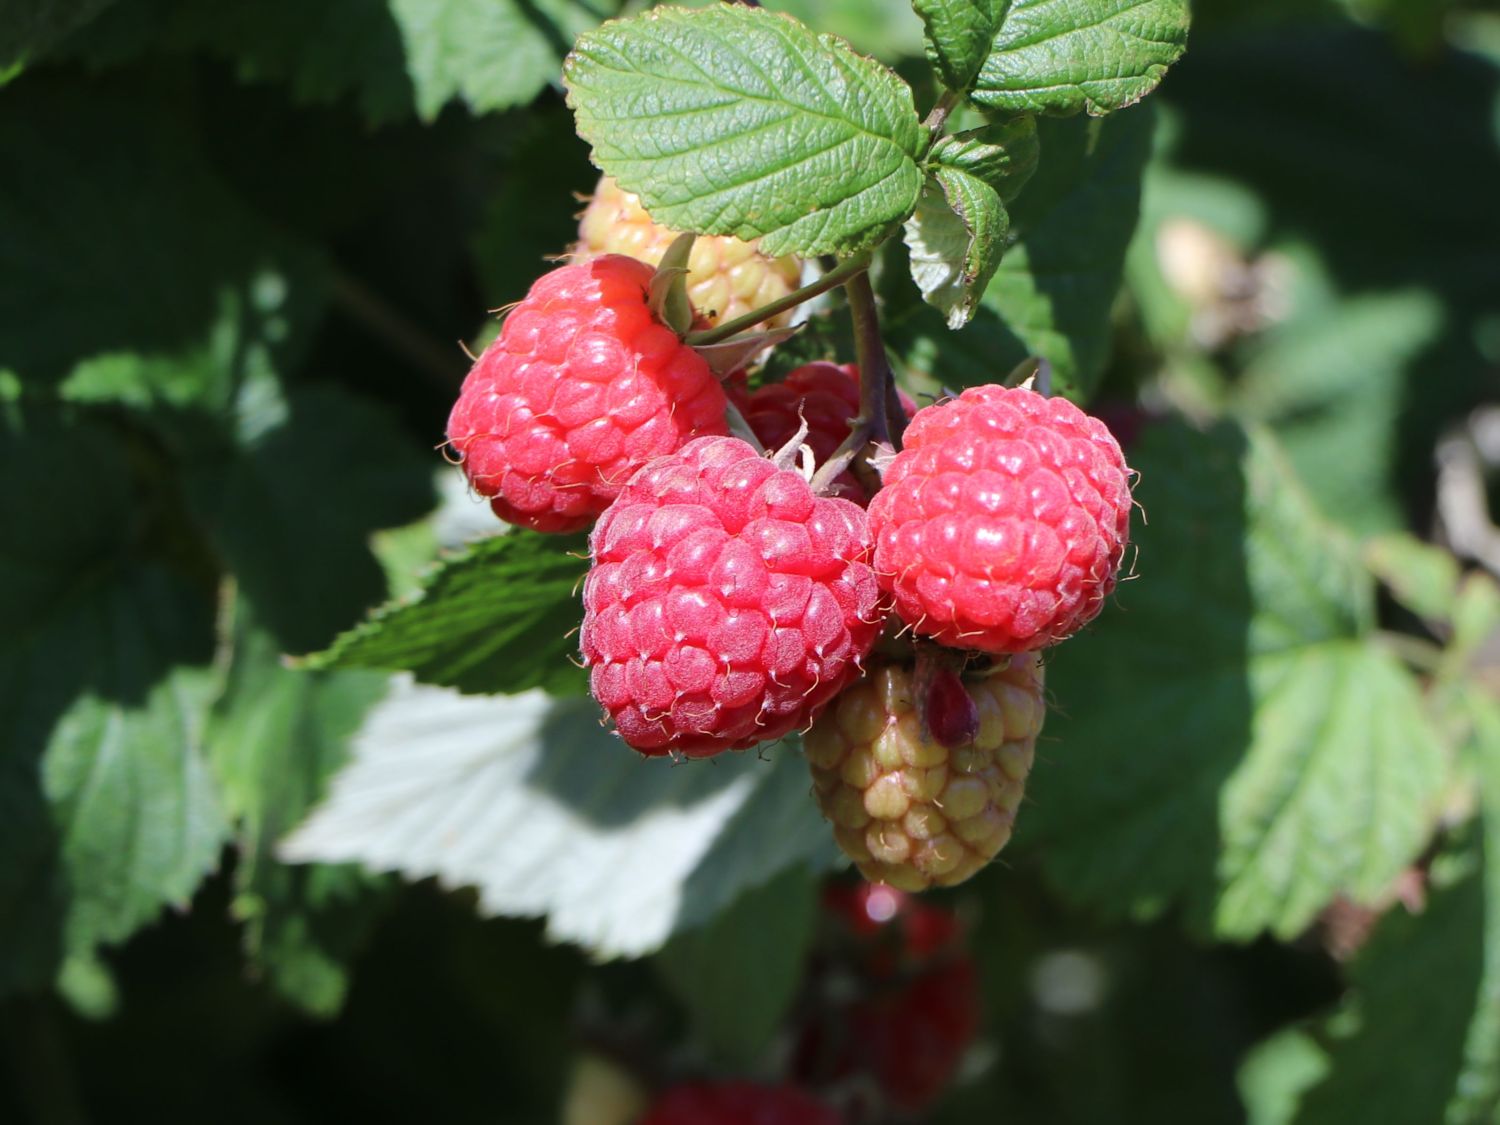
x=582, y=387
x=912, y=1008
x=726, y=603
x=1002, y=522
x=908, y=808
x=726, y=277
x=738, y=1103
x=826, y=395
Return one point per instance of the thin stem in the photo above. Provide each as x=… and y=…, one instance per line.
x=869, y=351
x=830, y=280
x=875, y=385
x=937, y=119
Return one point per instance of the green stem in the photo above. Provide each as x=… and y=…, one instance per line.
x=835, y=277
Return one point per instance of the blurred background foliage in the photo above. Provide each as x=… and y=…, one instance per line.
x=240, y=245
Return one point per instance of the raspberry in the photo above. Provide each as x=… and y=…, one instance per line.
x=726, y=603
x=826, y=395
x=912, y=1008
x=1002, y=523
x=907, y=809
x=581, y=388
x=726, y=277
x=738, y=1103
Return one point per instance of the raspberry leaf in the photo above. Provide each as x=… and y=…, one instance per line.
x=529, y=800
x=737, y=974
x=453, y=48
x=1057, y=283
x=457, y=633
x=392, y=57
x=959, y=34
x=275, y=738
x=955, y=238
x=1062, y=56
x=1431, y=978
x=1003, y=155
x=813, y=147
x=1291, y=760
x=1053, y=291
x=108, y=811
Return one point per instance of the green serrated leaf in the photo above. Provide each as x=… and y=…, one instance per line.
x=499, y=617
x=1337, y=790
x=1003, y=156
x=954, y=240
x=738, y=974
x=734, y=120
x=1062, y=56
x=490, y=53
x=528, y=799
x=107, y=808
x=276, y=737
x=1427, y=988
x=959, y=35
x=1234, y=740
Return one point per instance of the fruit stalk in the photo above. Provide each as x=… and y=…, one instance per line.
x=835, y=277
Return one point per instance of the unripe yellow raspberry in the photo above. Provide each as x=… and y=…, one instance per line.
x=726, y=277
x=909, y=810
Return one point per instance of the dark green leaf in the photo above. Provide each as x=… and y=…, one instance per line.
x=1227, y=736
x=1426, y=989
x=29, y=27
x=737, y=974
x=528, y=799
x=499, y=617
x=959, y=35
x=491, y=53
x=277, y=736
x=1056, y=285
x=293, y=509
x=109, y=810
x=734, y=120
x=391, y=56
x=954, y=240
x=1062, y=56
x=147, y=279
x=1003, y=156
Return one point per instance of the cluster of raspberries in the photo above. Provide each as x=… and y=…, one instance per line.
x=730, y=604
